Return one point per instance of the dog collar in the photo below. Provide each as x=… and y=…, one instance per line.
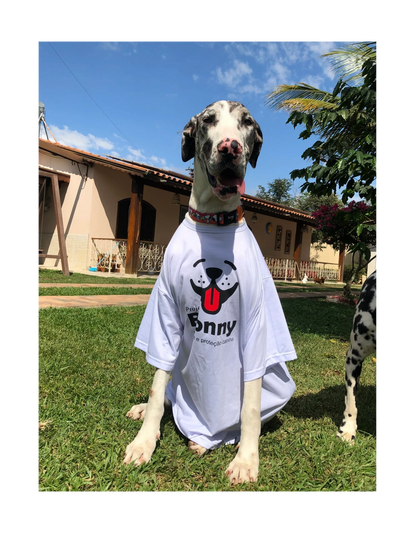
x=220, y=219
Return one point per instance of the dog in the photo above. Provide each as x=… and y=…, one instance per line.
x=362, y=344
x=319, y=280
x=211, y=309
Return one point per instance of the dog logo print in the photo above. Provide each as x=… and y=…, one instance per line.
x=212, y=296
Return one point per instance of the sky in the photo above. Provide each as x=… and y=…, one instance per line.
x=132, y=99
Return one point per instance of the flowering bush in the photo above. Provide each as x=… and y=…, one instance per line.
x=352, y=225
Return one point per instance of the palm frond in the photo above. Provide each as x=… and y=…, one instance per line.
x=306, y=105
x=300, y=97
x=348, y=60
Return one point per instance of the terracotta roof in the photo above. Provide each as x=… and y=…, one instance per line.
x=252, y=203
x=179, y=181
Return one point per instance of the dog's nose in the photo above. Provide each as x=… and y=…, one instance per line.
x=230, y=147
x=213, y=273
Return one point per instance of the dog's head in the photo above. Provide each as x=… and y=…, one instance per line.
x=223, y=138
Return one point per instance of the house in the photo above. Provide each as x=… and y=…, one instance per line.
x=108, y=214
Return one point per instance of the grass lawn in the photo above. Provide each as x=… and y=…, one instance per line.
x=56, y=276
x=92, y=291
x=90, y=375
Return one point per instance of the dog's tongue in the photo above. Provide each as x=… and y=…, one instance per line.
x=211, y=299
x=228, y=179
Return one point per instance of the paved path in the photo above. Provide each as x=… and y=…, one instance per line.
x=128, y=300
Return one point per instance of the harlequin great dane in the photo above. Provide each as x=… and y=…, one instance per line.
x=219, y=370
x=362, y=344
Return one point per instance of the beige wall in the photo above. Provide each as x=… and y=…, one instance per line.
x=111, y=186
x=90, y=207
x=326, y=255
x=167, y=215
x=266, y=240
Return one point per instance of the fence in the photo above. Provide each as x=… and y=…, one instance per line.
x=109, y=255
x=151, y=257
x=281, y=268
x=315, y=269
x=287, y=268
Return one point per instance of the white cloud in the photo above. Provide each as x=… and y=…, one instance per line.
x=281, y=72
x=250, y=88
x=233, y=76
x=73, y=138
x=195, y=77
x=158, y=161
x=138, y=155
x=314, y=81
x=91, y=143
x=102, y=143
x=292, y=53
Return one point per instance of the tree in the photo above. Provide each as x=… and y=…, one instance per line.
x=312, y=204
x=336, y=226
x=346, y=61
x=343, y=159
x=278, y=191
x=309, y=202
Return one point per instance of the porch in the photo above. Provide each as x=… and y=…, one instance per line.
x=109, y=255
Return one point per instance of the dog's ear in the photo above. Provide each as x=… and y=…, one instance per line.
x=188, y=140
x=258, y=140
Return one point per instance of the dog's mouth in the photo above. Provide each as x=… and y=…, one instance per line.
x=226, y=183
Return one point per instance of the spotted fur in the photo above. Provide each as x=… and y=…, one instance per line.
x=362, y=344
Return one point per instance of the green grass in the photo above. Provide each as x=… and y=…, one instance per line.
x=92, y=291
x=90, y=375
x=56, y=276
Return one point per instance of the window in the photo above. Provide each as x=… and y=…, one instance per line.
x=288, y=240
x=278, y=238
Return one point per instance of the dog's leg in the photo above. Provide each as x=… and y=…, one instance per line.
x=142, y=447
x=245, y=465
x=354, y=360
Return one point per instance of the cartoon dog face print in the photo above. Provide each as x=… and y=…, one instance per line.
x=214, y=289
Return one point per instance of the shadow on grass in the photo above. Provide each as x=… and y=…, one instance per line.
x=319, y=317
x=330, y=402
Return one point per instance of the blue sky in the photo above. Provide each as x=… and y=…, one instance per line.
x=130, y=99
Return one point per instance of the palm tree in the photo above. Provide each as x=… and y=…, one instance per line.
x=346, y=61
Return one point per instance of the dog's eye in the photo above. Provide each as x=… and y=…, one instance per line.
x=209, y=119
x=248, y=121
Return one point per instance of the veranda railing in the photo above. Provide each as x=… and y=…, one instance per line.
x=109, y=255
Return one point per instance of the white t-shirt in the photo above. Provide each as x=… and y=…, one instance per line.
x=214, y=318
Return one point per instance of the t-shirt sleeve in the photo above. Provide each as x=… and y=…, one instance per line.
x=254, y=354
x=160, y=332
x=279, y=342
x=268, y=340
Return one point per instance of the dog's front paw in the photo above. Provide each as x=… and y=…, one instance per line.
x=197, y=448
x=244, y=468
x=137, y=412
x=140, y=450
x=347, y=431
